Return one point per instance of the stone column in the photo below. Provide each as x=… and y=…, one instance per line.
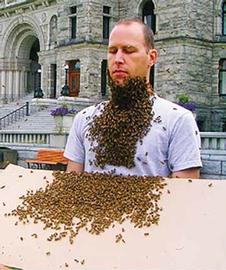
x=3, y=86
x=21, y=83
x=45, y=80
x=10, y=85
x=17, y=83
x=25, y=85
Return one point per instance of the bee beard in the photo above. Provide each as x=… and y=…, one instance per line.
x=133, y=91
x=124, y=122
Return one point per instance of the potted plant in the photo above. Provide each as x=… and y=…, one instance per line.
x=184, y=101
x=63, y=118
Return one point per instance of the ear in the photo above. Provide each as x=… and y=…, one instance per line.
x=153, y=55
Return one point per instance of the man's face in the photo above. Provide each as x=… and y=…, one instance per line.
x=127, y=53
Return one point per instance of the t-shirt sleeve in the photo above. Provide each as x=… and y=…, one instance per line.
x=184, y=144
x=74, y=149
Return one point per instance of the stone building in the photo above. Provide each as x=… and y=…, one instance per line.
x=51, y=43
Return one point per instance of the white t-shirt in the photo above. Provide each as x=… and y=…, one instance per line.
x=172, y=144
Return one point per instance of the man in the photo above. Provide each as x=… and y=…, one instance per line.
x=136, y=132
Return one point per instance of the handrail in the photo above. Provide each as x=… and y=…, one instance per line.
x=14, y=116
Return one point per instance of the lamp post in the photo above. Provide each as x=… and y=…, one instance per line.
x=38, y=93
x=65, y=89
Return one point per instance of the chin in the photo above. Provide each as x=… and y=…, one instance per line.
x=120, y=82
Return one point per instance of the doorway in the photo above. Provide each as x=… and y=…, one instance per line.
x=74, y=78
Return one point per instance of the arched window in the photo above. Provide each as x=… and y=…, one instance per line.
x=53, y=29
x=148, y=15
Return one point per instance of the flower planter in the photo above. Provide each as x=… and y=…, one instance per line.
x=63, y=123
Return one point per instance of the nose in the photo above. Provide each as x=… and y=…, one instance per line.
x=119, y=57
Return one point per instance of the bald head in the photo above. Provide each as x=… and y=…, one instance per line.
x=147, y=31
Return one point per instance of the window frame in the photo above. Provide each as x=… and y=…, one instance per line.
x=106, y=18
x=104, y=78
x=219, y=80
x=223, y=18
x=152, y=14
x=73, y=21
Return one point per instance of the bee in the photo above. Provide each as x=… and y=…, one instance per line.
x=34, y=235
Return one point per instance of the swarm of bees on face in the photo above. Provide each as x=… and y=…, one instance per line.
x=93, y=202
x=123, y=123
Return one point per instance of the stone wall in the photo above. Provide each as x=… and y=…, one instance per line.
x=214, y=164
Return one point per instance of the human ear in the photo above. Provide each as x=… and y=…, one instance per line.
x=153, y=55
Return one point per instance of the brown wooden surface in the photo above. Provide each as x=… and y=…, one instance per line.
x=190, y=235
x=49, y=156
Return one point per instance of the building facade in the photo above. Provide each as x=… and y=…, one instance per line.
x=53, y=43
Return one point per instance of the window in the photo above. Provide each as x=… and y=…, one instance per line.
x=224, y=125
x=53, y=29
x=73, y=18
x=224, y=18
x=148, y=15
x=73, y=10
x=104, y=78
x=222, y=77
x=106, y=21
x=201, y=124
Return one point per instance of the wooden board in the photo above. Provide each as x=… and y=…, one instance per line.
x=190, y=235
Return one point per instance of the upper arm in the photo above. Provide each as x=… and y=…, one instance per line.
x=184, y=147
x=187, y=173
x=75, y=166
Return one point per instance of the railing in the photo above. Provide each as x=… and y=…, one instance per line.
x=213, y=140
x=24, y=138
x=209, y=140
x=14, y=116
x=47, y=139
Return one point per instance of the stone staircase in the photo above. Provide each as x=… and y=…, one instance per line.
x=39, y=119
x=9, y=107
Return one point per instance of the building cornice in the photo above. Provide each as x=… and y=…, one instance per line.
x=8, y=10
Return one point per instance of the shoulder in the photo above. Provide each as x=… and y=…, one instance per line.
x=83, y=117
x=91, y=110
x=169, y=109
x=173, y=116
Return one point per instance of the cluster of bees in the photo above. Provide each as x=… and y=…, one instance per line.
x=93, y=202
x=123, y=122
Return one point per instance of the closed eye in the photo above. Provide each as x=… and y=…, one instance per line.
x=112, y=50
x=129, y=49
